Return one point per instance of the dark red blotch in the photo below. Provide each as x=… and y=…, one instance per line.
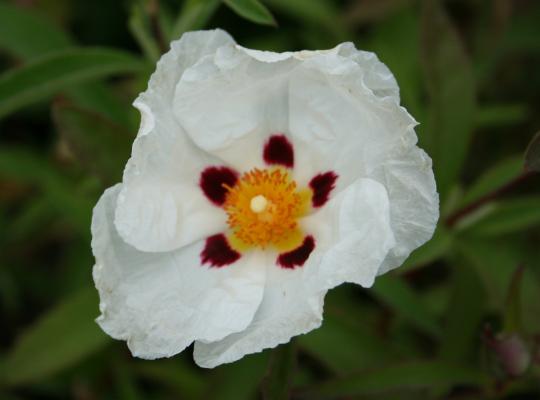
x=212, y=181
x=298, y=256
x=278, y=150
x=322, y=185
x=217, y=252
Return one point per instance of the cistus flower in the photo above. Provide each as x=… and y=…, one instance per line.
x=257, y=182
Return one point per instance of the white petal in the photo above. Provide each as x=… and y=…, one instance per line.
x=346, y=112
x=353, y=236
x=162, y=173
x=230, y=103
x=339, y=121
x=376, y=76
x=414, y=201
x=290, y=307
x=160, y=303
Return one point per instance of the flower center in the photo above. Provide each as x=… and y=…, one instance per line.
x=263, y=209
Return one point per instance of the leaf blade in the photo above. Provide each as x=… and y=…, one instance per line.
x=39, y=353
x=54, y=72
x=451, y=88
x=252, y=10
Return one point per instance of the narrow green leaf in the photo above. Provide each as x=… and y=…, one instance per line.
x=495, y=115
x=28, y=35
x=451, y=89
x=175, y=374
x=315, y=12
x=436, y=248
x=396, y=294
x=494, y=177
x=239, y=380
x=358, y=347
x=139, y=27
x=395, y=41
x=495, y=261
x=507, y=216
x=323, y=15
x=194, y=15
x=99, y=98
x=33, y=169
x=414, y=375
x=463, y=315
x=63, y=337
x=532, y=155
x=277, y=382
x=96, y=142
x=56, y=72
x=252, y=10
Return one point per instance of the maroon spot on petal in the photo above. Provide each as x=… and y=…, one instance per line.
x=322, y=185
x=298, y=256
x=217, y=252
x=212, y=183
x=278, y=150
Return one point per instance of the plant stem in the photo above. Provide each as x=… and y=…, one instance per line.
x=455, y=217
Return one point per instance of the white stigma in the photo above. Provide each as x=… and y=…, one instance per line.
x=258, y=204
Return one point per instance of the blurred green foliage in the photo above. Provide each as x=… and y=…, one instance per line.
x=468, y=71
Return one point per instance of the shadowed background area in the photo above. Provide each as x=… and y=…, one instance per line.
x=461, y=318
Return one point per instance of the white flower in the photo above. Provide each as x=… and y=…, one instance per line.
x=257, y=182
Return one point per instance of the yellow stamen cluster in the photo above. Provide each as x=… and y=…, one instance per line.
x=263, y=209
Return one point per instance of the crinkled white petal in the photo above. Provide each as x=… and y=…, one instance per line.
x=231, y=101
x=160, y=303
x=339, y=121
x=290, y=307
x=408, y=177
x=353, y=236
x=162, y=173
x=347, y=114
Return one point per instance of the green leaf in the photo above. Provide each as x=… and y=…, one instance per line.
x=463, y=315
x=358, y=347
x=532, y=154
x=451, y=88
x=252, y=10
x=56, y=72
x=96, y=142
x=414, y=375
x=315, y=12
x=139, y=26
x=194, y=15
x=239, y=380
x=395, y=41
x=277, y=382
x=494, y=177
x=28, y=35
x=495, y=261
x=98, y=98
x=33, y=169
x=63, y=337
x=495, y=115
x=506, y=216
x=402, y=299
x=175, y=374
x=437, y=247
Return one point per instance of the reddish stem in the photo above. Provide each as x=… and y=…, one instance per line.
x=455, y=217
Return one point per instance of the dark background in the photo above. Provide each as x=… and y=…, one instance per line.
x=461, y=319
